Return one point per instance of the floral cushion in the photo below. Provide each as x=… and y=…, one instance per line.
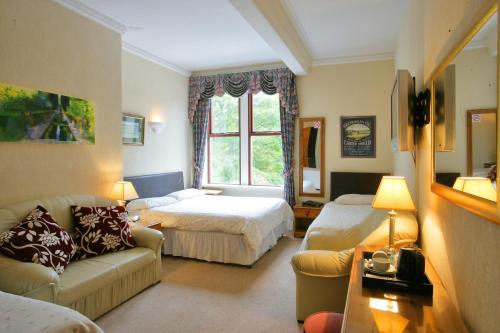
x=100, y=230
x=39, y=239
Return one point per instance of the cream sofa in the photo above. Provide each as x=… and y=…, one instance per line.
x=323, y=264
x=92, y=286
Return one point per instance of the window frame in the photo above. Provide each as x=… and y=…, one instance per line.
x=222, y=135
x=252, y=133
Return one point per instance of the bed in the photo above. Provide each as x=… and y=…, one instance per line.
x=22, y=314
x=225, y=229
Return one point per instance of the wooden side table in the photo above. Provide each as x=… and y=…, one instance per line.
x=304, y=216
x=156, y=225
x=373, y=310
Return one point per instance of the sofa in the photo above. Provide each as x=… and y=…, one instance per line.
x=323, y=264
x=91, y=286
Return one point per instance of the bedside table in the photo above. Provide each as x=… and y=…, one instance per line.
x=212, y=192
x=156, y=225
x=304, y=216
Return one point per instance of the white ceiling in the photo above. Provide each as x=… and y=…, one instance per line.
x=333, y=29
x=197, y=35
x=191, y=34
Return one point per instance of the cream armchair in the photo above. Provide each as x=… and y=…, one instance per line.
x=323, y=264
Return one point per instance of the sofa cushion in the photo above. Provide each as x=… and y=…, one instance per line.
x=39, y=239
x=99, y=230
x=128, y=261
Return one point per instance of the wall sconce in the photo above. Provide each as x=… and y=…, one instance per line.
x=156, y=126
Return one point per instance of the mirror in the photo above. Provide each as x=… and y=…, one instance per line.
x=464, y=121
x=312, y=156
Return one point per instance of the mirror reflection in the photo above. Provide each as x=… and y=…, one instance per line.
x=311, y=156
x=465, y=117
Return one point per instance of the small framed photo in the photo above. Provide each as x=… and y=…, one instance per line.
x=132, y=129
x=358, y=136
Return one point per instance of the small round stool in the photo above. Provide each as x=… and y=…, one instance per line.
x=323, y=322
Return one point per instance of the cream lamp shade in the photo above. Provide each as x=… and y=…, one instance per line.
x=393, y=194
x=478, y=186
x=124, y=191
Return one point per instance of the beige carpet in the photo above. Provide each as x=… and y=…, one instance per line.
x=196, y=296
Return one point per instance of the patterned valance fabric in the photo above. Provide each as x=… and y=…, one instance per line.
x=271, y=81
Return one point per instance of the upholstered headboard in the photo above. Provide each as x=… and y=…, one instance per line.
x=354, y=182
x=158, y=185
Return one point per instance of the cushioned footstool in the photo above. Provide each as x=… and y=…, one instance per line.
x=323, y=322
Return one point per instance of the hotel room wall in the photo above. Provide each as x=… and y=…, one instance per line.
x=358, y=89
x=157, y=93
x=45, y=46
x=462, y=247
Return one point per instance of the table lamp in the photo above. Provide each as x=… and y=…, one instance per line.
x=393, y=194
x=478, y=186
x=123, y=191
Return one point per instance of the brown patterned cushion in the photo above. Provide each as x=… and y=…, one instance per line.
x=39, y=239
x=100, y=230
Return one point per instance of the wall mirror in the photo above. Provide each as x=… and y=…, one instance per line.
x=312, y=157
x=465, y=94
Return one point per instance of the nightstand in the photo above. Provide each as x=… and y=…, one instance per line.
x=303, y=218
x=156, y=225
x=212, y=192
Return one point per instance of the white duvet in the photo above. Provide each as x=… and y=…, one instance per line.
x=254, y=218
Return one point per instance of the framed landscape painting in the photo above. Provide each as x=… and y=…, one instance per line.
x=132, y=129
x=36, y=116
x=358, y=136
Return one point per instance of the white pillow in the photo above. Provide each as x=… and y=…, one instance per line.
x=186, y=194
x=308, y=187
x=146, y=203
x=355, y=199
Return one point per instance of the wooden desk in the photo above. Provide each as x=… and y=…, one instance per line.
x=371, y=310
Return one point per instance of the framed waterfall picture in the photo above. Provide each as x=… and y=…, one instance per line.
x=132, y=129
x=358, y=136
x=36, y=116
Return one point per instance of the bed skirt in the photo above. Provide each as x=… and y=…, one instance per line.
x=218, y=246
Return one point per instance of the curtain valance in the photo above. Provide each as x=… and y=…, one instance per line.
x=270, y=81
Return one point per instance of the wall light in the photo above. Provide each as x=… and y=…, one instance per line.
x=156, y=126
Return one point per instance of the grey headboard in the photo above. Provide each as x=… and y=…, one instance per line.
x=354, y=182
x=158, y=185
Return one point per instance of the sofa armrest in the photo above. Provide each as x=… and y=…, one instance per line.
x=321, y=263
x=149, y=238
x=27, y=279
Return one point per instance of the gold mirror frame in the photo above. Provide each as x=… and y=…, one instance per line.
x=322, y=156
x=482, y=207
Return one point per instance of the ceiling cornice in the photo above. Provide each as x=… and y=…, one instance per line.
x=353, y=59
x=153, y=58
x=84, y=10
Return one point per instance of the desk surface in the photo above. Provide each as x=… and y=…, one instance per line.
x=371, y=310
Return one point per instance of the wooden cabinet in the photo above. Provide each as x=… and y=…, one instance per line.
x=303, y=219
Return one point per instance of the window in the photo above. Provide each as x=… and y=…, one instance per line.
x=244, y=143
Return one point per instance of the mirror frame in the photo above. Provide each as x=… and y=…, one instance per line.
x=479, y=206
x=322, y=162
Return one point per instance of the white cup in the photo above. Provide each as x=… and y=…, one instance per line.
x=380, y=261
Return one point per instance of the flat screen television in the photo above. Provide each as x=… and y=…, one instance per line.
x=402, y=103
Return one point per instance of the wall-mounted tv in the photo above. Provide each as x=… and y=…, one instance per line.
x=402, y=104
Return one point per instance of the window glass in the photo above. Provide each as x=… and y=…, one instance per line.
x=267, y=160
x=266, y=113
x=225, y=114
x=225, y=160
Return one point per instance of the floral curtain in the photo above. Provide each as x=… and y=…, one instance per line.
x=281, y=81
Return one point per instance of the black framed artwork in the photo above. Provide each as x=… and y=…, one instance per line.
x=358, y=136
x=132, y=129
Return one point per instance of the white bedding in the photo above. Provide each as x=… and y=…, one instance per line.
x=254, y=218
x=22, y=314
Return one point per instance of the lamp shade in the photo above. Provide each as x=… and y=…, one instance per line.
x=393, y=194
x=124, y=191
x=477, y=186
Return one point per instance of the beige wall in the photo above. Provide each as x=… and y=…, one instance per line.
x=348, y=90
x=47, y=47
x=461, y=246
x=157, y=93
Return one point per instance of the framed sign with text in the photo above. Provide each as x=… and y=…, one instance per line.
x=358, y=136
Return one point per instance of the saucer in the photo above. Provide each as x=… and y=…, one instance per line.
x=369, y=267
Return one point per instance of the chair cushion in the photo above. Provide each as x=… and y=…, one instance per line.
x=100, y=230
x=39, y=239
x=323, y=322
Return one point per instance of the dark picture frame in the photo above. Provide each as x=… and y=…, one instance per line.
x=133, y=129
x=358, y=136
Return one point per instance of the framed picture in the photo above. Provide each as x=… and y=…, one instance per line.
x=132, y=129
x=358, y=136
x=36, y=116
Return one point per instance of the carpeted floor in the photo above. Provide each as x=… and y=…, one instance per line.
x=196, y=296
